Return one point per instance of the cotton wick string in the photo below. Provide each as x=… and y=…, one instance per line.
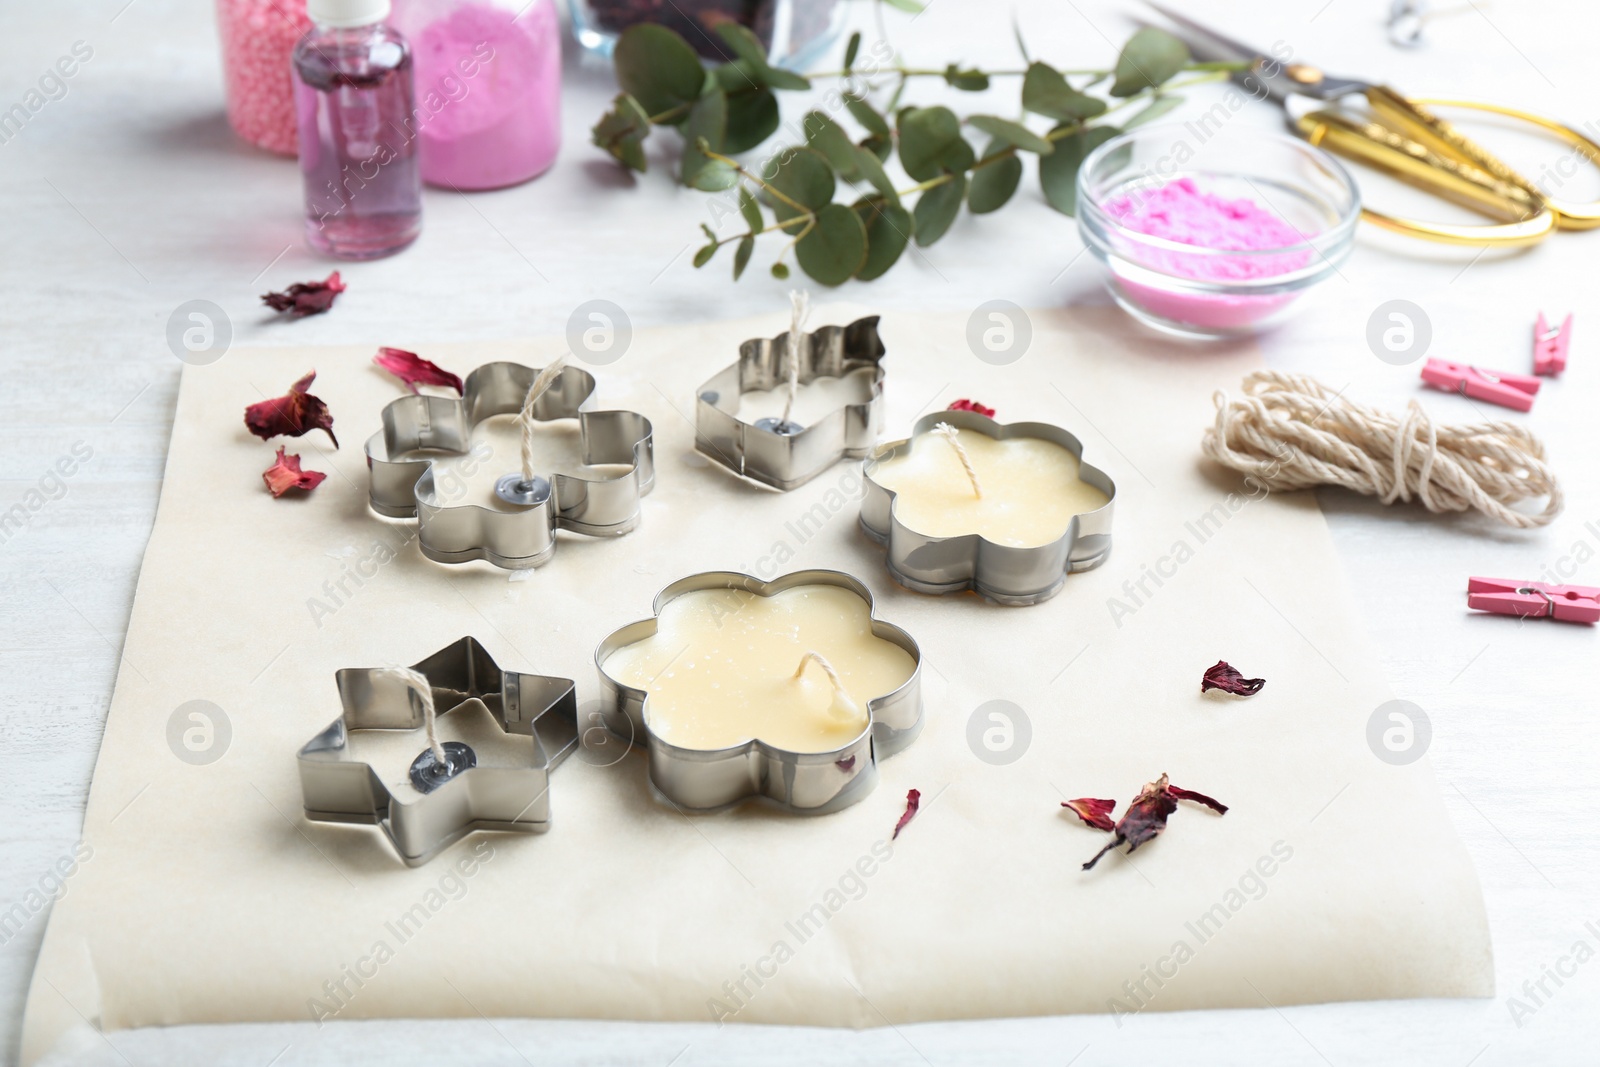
x=414, y=681
x=799, y=308
x=541, y=385
x=840, y=694
x=1289, y=431
x=953, y=435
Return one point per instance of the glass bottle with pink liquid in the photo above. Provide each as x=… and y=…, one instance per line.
x=355, y=106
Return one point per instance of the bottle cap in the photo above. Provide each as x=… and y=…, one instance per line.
x=347, y=14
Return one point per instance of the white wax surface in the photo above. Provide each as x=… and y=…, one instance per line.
x=813, y=401
x=1031, y=489
x=720, y=668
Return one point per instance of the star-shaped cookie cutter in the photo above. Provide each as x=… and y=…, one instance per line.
x=787, y=455
x=1004, y=574
x=509, y=791
x=403, y=485
x=811, y=783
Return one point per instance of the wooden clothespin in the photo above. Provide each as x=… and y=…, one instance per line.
x=1550, y=346
x=1534, y=600
x=1497, y=387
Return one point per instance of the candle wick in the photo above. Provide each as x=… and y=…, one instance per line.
x=541, y=385
x=414, y=681
x=953, y=435
x=840, y=694
x=799, y=308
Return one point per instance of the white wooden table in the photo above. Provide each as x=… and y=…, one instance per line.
x=128, y=195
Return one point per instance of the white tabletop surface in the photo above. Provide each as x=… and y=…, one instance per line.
x=129, y=195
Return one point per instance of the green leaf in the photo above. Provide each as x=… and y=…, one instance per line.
x=780, y=270
x=836, y=246
x=1150, y=57
x=871, y=170
x=993, y=183
x=804, y=176
x=1058, y=172
x=707, y=120
x=829, y=138
x=852, y=50
x=913, y=7
x=936, y=209
x=931, y=143
x=747, y=46
x=889, y=229
x=622, y=130
x=1045, y=92
x=969, y=80
x=658, y=69
x=741, y=255
x=1005, y=132
x=864, y=113
x=1022, y=46
x=750, y=210
x=1158, y=107
x=752, y=118
x=881, y=147
x=702, y=257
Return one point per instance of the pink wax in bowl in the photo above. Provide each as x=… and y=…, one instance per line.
x=1214, y=233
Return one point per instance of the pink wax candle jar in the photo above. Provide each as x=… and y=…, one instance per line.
x=1213, y=231
x=488, y=75
x=258, y=37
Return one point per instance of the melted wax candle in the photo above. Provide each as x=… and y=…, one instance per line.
x=721, y=668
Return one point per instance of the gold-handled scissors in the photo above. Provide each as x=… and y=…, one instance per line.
x=1402, y=137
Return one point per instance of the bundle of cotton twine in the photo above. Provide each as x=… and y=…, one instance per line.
x=1289, y=431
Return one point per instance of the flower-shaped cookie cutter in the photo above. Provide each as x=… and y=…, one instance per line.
x=1005, y=574
x=810, y=783
x=786, y=455
x=507, y=790
x=403, y=485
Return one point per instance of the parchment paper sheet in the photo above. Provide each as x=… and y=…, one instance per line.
x=208, y=898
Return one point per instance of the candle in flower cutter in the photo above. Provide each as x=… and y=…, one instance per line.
x=788, y=689
x=1006, y=510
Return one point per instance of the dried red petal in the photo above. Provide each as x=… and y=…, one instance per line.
x=411, y=368
x=286, y=474
x=1097, y=813
x=913, y=802
x=1199, y=798
x=292, y=415
x=1229, y=680
x=971, y=405
x=306, y=298
x=1146, y=817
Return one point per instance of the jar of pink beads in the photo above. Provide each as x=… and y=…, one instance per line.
x=258, y=37
x=1210, y=230
x=488, y=77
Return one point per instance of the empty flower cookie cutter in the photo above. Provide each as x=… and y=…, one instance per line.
x=403, y=484
x=811, y=783
x=1005, y=574
x=502, y=791
x=785, y=455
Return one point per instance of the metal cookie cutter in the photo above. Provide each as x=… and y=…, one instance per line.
x=403, y=484
x=1004, y=574
x=811, y=783
x=501, y=790
x=786, y=455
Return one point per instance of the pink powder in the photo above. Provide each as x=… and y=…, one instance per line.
x=1178, y=211
x=488, y=94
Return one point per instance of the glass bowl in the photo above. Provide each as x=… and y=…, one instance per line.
x=1235, y=290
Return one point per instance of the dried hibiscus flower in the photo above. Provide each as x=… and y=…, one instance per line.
x=411, y=368
x=1145, y=818
x=1229, y=680
x=913, y=802
x=971, y=405
x=292, y=415
x=286, y=474
x=306, y=298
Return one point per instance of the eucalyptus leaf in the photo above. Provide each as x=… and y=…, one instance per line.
x=622, y=130
x=1005, y=132
x=869, y=117
x=889, y=229
x=1045, y=92
x=752, y=118
x=969, y=80
x=852, y=50
x=741, y=255
x=747, y=46
x=1158, y=107
x=1150, y=57
x=871, y=171
x=881, y=148
x=803, y=176
x=702, y=257
x=658, y=69
x=835, y=247
x=751, y=211
x=1058, y=172
x=994, y=183
x=937, y=208
x=829, y=138
x=707, y=121
x=931, y=143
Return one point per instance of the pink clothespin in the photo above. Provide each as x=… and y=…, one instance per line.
x=1550, y=346
x=1534, y=600
x=1497, y=387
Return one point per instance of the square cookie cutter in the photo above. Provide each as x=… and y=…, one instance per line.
x=808, y=783
x=786, y=455
x=403, y=485
x=1005, y=574
x=468, y=795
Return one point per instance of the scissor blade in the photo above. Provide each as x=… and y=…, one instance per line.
x=1206, y=44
